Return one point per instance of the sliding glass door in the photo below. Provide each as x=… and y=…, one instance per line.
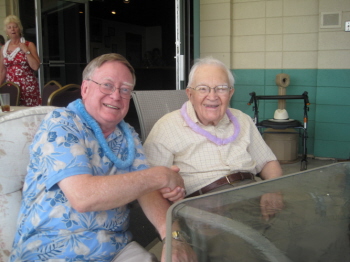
x=62, y=39
x=156, y=36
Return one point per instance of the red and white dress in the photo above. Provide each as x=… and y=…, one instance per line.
x=19, y=72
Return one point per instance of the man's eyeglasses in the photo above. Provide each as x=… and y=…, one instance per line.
x=108, y=89
x=220, y=89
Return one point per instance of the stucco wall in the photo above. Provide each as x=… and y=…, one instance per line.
x=259, y=39
x=7, y=7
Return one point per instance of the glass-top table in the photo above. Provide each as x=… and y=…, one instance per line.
x=313, y=225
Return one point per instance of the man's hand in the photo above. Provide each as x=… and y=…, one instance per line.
x=270, y=204
x=181, y=252
x=177, y=193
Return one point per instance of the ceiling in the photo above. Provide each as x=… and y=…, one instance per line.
x=137, y=12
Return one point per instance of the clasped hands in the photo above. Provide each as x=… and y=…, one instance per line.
x=175, y=194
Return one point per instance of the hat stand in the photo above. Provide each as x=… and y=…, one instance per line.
x=284, y=140
x=282, y=136
x=282, y=102
x=282, y=91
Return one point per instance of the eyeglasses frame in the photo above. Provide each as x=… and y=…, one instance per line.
x=229, y=88
x=114, y=89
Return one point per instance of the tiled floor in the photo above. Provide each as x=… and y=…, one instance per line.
x=156, y=246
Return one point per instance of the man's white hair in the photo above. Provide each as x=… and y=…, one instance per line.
x=210, y=61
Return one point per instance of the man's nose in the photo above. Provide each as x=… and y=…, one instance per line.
x=116, y=94
x=212, y=93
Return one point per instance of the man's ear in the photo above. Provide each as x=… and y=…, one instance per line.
x=84, y=88
x=232, y=92
x=189, y=94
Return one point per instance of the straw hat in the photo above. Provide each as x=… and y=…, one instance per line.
x=281, y=115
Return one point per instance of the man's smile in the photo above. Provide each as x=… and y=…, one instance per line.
x=110, y=106
x=211, y=106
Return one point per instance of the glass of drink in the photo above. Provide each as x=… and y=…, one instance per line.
x=5, y=102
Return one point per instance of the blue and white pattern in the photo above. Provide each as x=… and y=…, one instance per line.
x=48, y=227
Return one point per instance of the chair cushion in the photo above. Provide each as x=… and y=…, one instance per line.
x=280, y=125
x=151, y=105
x=9, y=207
x=17, y=131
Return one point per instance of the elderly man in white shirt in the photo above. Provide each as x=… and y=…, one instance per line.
x=215, y=147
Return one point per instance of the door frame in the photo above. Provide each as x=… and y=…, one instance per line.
x=38, y=20
x=186, y=38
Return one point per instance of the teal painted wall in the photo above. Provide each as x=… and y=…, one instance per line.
x=329, y=112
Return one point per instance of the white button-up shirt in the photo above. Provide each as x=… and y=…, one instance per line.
x=201, y=162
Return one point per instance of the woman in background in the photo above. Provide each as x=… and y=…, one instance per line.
x=18, y=61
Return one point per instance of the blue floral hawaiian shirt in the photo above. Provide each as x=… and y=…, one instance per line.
x=48, y=227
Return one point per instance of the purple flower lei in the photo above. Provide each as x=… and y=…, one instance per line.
x=209, y=136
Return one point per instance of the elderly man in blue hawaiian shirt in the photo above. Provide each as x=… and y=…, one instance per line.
x=86, y=165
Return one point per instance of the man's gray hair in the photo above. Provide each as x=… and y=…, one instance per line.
x=210, y=61
x=100, y=60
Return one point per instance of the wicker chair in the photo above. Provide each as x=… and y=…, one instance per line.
x=17, y=131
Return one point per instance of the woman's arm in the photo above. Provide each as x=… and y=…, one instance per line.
x=2, y=67
x=32, y=58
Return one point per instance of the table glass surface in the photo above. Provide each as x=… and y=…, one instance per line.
x=313, y=225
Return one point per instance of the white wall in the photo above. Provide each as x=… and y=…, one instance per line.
x=274, y=34
x=7, y=7
x=215, y=29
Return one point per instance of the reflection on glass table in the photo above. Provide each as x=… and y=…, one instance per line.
x=228, y=226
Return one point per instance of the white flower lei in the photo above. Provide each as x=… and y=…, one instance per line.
x=14, y=52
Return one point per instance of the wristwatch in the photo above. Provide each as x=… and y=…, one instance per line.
x=179, y=236
x=28, y=53
x=176, y=235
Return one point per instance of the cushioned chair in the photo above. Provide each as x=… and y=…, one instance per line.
x=152, y=105
x=48, y=89
x=63, y=96
x=13, y=90
x=17, y=130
